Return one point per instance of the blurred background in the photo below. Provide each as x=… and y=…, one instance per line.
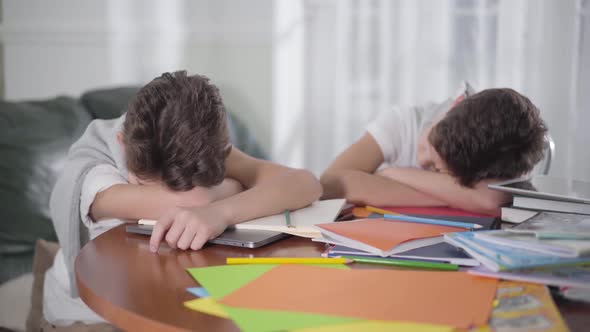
x=308, y=75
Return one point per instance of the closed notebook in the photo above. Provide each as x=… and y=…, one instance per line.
x=302, y=220
x=516, y=216
x=550, y=205
x=551, y=225
x=383, y=237
x=564, y=276
x=557, y=247
x=498, y=257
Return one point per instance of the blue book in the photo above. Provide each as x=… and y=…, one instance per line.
x=501, y=258
x=440, y=252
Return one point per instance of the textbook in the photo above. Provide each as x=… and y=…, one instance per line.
x=550, y=225
x=557, y=247
x=550, y=205
x=383, y=237
x=516, y=216
x=302, y=220
x=498, y=257
x=564, y=276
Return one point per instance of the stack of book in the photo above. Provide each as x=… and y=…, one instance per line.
x=544, y=193
x=549, y=248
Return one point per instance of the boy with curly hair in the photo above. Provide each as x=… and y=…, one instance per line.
x=441, y=154
x=168, y=158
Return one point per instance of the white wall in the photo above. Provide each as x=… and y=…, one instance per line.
x=69, y=46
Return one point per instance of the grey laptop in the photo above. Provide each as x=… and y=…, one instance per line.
x=232, y=237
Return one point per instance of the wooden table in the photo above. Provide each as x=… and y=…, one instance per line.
x=120, y=279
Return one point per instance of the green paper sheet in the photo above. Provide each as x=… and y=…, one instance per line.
x=249, y=320
x=222, y=280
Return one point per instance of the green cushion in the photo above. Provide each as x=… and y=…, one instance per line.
x=34, y=140
x=108, y=103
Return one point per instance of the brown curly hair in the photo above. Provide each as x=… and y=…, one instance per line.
x=175, y=131
x=494, y=134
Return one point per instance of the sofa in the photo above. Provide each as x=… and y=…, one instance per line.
x=34, y=139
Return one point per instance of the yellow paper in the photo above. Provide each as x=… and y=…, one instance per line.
x=207, y=305
x=378, y=326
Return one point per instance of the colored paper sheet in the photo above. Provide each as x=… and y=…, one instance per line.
x=264, y=320
x=221, y=280
x=224, y=279
x=386, y=234
x=377, y=326
x=250, y=320
x=198, y=291
x=450, y=298
x=207, y=305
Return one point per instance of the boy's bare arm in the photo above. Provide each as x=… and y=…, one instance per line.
x=351, y=176
x=446, y=188
x=270, y=189
x=133, y=202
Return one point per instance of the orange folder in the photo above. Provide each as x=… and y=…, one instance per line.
x=386, y=234
x=448, y=298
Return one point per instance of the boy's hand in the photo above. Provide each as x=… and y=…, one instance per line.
x=188, y=228
x=198, y=196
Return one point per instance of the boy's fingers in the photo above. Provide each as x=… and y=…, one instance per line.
x=199, y=240
x=186, y=238
x=158, y=232
x=174, y=232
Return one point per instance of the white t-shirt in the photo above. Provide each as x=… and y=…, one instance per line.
x=397, y=130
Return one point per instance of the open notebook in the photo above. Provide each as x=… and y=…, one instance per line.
x=302, y=220
x=383, y=237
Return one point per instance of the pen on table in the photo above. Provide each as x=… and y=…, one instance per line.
x=403, y=263
x=286, y=260
x=288, y=219
x=432, y=221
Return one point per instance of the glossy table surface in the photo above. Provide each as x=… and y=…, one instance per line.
x=120, y=279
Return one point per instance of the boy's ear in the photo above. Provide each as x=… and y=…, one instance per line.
x=120, y=139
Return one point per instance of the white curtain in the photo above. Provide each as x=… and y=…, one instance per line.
x=364, y=56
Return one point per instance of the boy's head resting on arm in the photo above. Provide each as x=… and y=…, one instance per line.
x=175, y=132
x=494, y=134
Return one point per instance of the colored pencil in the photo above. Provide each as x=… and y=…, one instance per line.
x=432, y=221
x=378, y=210
x=286, y=260
x=403, y=263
